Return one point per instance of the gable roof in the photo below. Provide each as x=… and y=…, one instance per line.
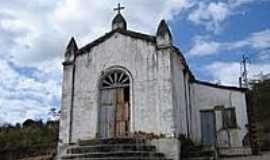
x=133, y=34
x=184, y=62
x=220, y=86
x=152, y=39
x=146, y=37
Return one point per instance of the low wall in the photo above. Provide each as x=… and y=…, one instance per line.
x=171, y=147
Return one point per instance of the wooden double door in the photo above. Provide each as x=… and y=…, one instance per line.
x=114, y=113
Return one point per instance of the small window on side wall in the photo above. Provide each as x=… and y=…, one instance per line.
x=229, y=118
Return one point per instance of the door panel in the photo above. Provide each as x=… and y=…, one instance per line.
x=121, y=113
x=208, y=129
x=113, y=113
x=107, y=96
x=110, y=121
x=107, y=114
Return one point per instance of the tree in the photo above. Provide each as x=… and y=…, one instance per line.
x=260, y=93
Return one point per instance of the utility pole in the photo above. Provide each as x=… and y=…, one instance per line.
x=243, y=79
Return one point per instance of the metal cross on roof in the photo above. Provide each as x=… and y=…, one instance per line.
x=119, y=8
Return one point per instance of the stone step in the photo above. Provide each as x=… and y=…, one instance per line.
x=138, y=154
x=111, y=141
x=125, y=158
x=110, y=148
x=199, y=153
x=199, y=149
x=192, y=149
x=199, y=158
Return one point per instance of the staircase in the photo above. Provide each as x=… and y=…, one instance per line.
x=198, y=153
x=113, y=149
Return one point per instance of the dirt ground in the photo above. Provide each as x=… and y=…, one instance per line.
x=263, y=156
x=47, y=157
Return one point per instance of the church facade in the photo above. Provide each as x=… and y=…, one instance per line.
x=127, y=82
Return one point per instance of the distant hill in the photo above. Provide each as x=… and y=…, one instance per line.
x=32, y=138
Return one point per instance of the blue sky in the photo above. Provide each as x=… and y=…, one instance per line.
x=247, y=20
x=212, y=34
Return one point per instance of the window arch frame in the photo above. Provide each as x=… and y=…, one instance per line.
x=115, y=78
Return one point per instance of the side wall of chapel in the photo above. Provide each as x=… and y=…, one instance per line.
x=180, y=94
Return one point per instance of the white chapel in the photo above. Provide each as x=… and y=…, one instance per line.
x=127, y=83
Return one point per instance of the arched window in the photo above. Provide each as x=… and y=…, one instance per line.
x=115, y=79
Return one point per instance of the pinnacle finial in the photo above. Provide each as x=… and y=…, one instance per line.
x=164, y=37
x=163, y=28
x=72, y=44
x=71, y=50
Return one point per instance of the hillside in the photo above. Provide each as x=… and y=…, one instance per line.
x=32, y=138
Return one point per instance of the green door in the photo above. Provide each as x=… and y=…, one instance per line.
x=107, y=114
x=208, y=129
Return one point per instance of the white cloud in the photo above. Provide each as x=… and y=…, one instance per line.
x=236, y=3
x=23, y=96
x=88, y=23
x=203, y=47
x=259, y=41
x=50, y=24
x=212, y=15
x=229, y=72
x=18, y=110
x=264, y=55
x=34, y=34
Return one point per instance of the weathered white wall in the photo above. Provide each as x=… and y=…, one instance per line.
x=66, y=104
x=179, y=97
x=151, y=85
x=205, y=97
x=162, y=101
